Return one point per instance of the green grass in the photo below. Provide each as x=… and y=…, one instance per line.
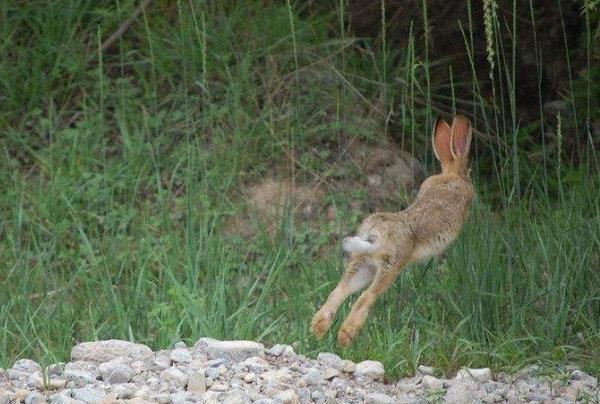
x=119, y=169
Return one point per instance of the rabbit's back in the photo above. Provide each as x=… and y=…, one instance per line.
x=438, y=213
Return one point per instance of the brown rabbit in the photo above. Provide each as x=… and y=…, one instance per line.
x=386, y=242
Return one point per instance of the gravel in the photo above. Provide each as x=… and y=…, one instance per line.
x=244, y=371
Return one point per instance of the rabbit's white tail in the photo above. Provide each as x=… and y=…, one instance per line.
x=358, y=245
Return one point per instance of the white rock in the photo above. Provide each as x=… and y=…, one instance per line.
x=432, y=383
x=235, y=351
x=90, y=367
x=328, y=359
x=287, y=397
x=181, y=355
x=280, y=376
x=180, y=397
x=56, y=383
x=346, y=366
x=219, y=387
x=88, y=394
x=7, y=397
x=330, y=373
x=369, y=369
x=380, y=398
x=115, y=372
x=35, y=398
x=79, y=377
x=175, y=375
x=236, y=397
x=56, y=369
x=27, y=366
x=250, y=377
x=313, y=376
x=426, y=370
x=123, y=391
x=17, y=374
x=62, y=398
x=256, y=364
x=103, y=351
x=587, y=380
x=162, y=361
x=213, y=373
x=479, y=375
x=280, y=349
x=197, y=382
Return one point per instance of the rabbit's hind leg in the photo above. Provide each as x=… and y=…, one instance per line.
x=359, y=273
x=384, y=278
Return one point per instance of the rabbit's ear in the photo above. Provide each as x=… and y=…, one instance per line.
x=461, y=136
x=442, y=141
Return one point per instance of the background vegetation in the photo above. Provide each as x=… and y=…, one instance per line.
x=121, y=163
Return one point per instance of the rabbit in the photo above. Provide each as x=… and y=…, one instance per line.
x=387, y=242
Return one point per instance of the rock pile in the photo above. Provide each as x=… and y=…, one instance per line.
x=244, y=371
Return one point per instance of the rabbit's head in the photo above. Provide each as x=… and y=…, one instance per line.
x=451, y=145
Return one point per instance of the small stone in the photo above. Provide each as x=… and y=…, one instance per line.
x=7, y=397
x=287, y=397
x=88, y=394
x=35, y=398
x=17, y=374
x=162, y=361
x=330, y=373
x=426, y=370
x=235, y=351
x=90, y=367
x=479, y=375
x=104, y=351
x=181, y=355
x=330, y=393
x=317, y=395
x=587, y=380
x=35, y=381
x=219, y=387
x=346, y=366
x=281, y=376
x=124, y=391
x=55, y=384
x=179, y=344
x=175, y=375
x=142, y=392
x=236, y=397
x=56, y=369
x=62, y=398
x=280, y=349
x=380, y=398
x=250, y=377
x=369, y=369
x=432, y=383
x=215, y=362
x=79, y=377
x=197, y=383
x=180, y=397
x=313, y=376
x=115, y=372
x=213, y=373
x=256, y=364
x=27, y=366
x=328, y=359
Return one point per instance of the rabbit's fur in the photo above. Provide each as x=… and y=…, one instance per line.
x=386, y=242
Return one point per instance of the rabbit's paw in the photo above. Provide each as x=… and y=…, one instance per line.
x=346, y=335
x=321, y=323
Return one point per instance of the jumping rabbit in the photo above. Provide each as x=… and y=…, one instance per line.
x=387, y=242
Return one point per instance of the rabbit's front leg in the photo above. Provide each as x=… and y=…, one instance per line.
x=384, y=278
x=357, y=276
